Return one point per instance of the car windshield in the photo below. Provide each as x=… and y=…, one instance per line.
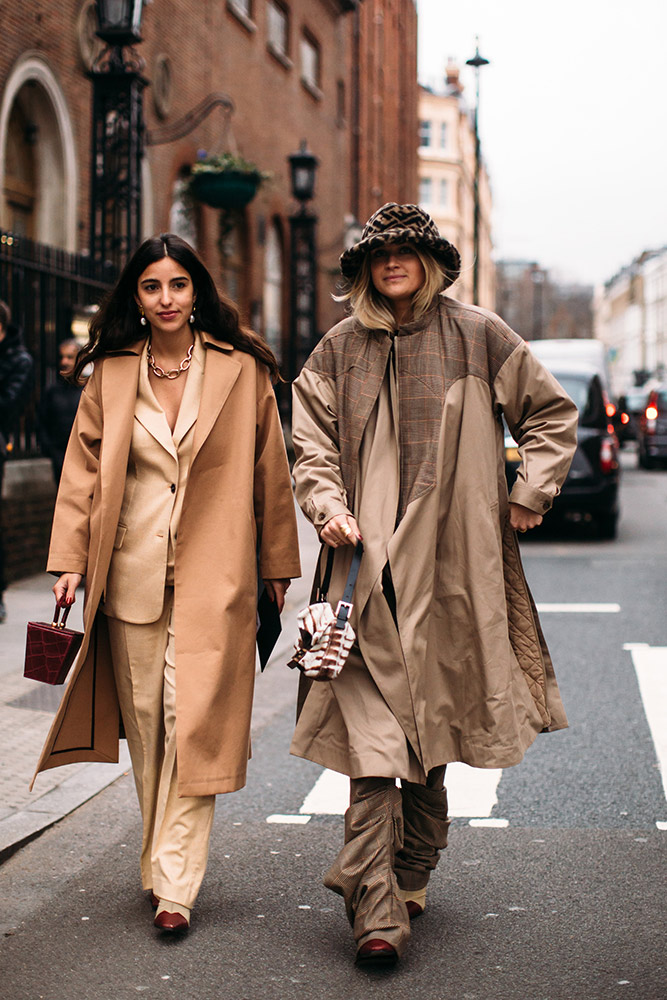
x=634, y=401
x=586, y=394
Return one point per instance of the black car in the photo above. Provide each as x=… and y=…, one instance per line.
x=631, y=406
x=590, y=491
x=652, y=433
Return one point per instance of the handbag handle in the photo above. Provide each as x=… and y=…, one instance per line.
x=345, y=603
x=56, y=615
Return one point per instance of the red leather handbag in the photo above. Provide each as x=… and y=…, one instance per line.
x=50, y=649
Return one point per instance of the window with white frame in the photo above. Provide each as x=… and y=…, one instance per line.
x=278, y=26
x=443, y=135
x=310, y=61
x=425, y=190
x=425, y=132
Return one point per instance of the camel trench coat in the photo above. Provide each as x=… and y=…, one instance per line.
x=238, y=493
x=464, y=670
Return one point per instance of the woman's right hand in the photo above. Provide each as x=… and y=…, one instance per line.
x=341, y=530
x=65, y=588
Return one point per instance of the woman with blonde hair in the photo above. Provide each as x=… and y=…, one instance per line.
x=398, y=437
x=175, y=490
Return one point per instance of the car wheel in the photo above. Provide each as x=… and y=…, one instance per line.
x=607, y=525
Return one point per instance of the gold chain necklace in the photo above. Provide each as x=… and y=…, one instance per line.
x=173, y=372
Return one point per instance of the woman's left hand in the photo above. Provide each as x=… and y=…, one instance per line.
x=276, y=589
x=523, y=518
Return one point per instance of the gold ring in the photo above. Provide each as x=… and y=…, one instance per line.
x=346, y=530
x=523, y=530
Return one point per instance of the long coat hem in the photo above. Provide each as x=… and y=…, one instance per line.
x=238, y=497
x=406, y=432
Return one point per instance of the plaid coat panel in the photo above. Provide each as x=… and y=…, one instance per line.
x=450, y=342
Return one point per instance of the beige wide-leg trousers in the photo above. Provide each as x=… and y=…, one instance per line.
x=176, y=831
x=393, y=839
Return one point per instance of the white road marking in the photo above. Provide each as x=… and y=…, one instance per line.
x=471, y=792
x=650, y=664
x=579, y=609
x=282, y=818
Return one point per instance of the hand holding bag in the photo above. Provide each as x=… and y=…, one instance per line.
x=326, y=637
x=50, y=649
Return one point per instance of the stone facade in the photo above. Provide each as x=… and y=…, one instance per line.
x=631, y=319
x=447, y=178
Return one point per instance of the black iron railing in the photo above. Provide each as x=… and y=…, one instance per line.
x=46, y=289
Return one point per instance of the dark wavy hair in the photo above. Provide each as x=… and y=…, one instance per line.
x=117, y=322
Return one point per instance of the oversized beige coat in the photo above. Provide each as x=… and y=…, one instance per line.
x=238, y=492
x=409, y=439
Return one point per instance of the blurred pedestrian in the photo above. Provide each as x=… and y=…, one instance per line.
x=57, y=408
x=175, y=476
x=399, y=438
x=16, y=380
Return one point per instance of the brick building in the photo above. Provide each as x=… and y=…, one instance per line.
x=339, y=74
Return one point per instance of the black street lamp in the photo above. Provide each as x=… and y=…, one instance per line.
x=303, y=166
x=119, y=21
x=303, y=262
x=117, y=135
x=477, y=62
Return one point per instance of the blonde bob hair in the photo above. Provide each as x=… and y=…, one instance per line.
x=372, y=309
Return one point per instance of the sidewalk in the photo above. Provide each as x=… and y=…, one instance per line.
x=27, y=708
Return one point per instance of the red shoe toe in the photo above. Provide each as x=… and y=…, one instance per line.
x=414, y=909
x=171, y=922
x=377, y=952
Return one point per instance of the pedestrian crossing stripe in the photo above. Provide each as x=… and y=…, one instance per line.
x=471, y=791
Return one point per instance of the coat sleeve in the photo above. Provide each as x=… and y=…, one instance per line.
x=70, y=534
x=16, y=388
x=319, y=483
x=275, y=515
x=543, y=421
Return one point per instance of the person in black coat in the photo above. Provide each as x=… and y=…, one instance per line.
x=16, y=376
x=57, y=409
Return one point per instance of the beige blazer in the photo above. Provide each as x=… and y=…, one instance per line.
x=157, y=473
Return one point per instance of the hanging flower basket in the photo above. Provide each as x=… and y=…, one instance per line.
x=227, y=182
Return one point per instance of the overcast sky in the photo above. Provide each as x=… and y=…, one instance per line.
x=573, y=121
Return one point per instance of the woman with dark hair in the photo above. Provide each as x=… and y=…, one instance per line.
x=175, y=481
x=398, y=437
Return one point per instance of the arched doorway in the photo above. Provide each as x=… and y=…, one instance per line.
x=38, y=174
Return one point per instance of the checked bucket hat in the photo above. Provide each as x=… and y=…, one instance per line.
x=401, y=224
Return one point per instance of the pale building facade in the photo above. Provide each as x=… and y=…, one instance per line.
x=631, y=319
x=447, y=183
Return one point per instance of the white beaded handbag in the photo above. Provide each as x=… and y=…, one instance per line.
x=326, y=636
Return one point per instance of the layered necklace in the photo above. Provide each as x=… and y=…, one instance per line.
x=173, y=372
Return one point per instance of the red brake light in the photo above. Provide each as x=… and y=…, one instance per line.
x=651, y=412
x=607, y=456
x=625, y=419
x=611, y=409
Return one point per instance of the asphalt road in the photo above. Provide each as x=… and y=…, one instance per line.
x=564, y=900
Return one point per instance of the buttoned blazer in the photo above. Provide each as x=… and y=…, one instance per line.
x=155, y=485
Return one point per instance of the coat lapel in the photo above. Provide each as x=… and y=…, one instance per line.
x=120, y=382
x=150, y=414
x=220, y=374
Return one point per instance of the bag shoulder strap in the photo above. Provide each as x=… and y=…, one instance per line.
x=323, y=589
